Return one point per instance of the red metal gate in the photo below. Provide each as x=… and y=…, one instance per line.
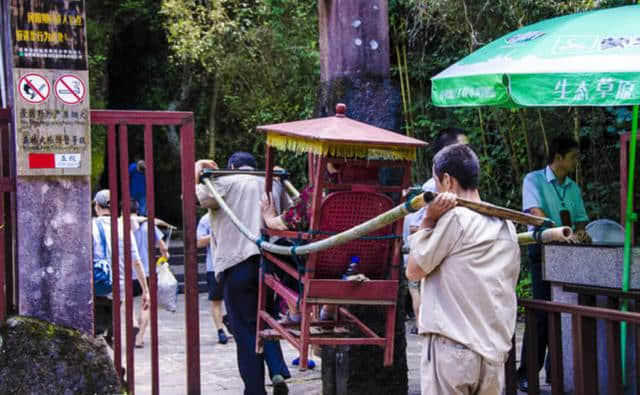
x=117, y=123
x=7, y=215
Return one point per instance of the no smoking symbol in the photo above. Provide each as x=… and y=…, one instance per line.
x=70, y=89
x=34, y=88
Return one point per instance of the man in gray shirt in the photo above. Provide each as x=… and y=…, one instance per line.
x=236, y=264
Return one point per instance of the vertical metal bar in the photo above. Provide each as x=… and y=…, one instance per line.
x=585, y=354
x=320, y=163
x=532, y=352
x=637, y=326
x=3, y=225
x=262, y=286
x=589, y=344
x=555, y=348
x=153, y=279
x=7, y=220
x=115, y=262
x=578, y=360
x=3, y=261
x=510, y=370
x=126, y=237
x=389, y=333
x=268, y=181
x=187, y=155
x=614, y=368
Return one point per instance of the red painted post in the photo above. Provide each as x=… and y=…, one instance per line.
x=187, y=155
x=4, y=144
x=115, y=266
x=151, y=248
x=126, y=236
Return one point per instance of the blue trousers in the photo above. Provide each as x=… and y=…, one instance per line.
x=240, y=284
x=142, y=204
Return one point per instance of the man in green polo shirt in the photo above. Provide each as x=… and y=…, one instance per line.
x=550, y=193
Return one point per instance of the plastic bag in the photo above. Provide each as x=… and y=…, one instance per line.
x=167, y=288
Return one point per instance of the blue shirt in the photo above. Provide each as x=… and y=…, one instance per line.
x=142, y=240
x=137, y=182
x=203, y=230
x=541, y=189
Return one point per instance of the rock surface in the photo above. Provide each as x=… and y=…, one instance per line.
x=37, y=357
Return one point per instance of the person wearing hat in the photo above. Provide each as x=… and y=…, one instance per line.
x=101, y=233
x=236, y=266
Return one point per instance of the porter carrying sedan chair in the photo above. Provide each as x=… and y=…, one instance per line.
x=375, y=170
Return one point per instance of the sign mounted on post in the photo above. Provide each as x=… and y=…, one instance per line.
x=70, y=89
x=34, y=88
x=50, y=77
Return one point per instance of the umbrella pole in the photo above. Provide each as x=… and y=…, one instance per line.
x=630, y=218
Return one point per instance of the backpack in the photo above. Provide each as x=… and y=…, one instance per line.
x=102, y=279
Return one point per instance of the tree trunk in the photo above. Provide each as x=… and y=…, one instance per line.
x=354, y=61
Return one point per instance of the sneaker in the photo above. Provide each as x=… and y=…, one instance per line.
x=279, y=385
x=414, y=330
x=222, y=337
x=310, y=363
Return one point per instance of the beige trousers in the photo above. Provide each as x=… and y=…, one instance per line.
x=449, y=368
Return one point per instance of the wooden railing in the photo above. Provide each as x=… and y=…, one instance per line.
x=585, y=355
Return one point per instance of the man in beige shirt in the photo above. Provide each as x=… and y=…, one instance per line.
x=468, y=265
x=236, y=265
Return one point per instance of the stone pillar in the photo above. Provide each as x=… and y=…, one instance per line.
x=49, y=95
x=354, y=59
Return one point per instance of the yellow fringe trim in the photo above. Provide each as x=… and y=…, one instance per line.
x=339, y=150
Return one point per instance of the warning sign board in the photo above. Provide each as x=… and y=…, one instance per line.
x=53, y=136
x=34, y=88
x=70, y=89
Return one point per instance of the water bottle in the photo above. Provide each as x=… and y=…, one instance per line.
x=352, y=269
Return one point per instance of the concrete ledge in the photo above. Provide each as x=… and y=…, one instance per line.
x=589, y=265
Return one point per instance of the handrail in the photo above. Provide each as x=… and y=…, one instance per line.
x=584, y=311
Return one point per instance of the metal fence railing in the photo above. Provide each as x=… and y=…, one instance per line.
x=117, y=151
x=584, y=350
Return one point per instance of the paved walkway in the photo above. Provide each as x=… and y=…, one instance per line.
x=219, y=374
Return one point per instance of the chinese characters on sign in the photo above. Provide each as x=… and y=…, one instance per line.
x=49, y=34
x=33, y=122
x=468, y=92
x=52, y=113
x=603, y=88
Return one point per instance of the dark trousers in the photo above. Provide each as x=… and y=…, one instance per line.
x=240, y=284
x=540, y=290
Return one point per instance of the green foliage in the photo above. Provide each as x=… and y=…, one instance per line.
x=509, y=143
x=260, y=63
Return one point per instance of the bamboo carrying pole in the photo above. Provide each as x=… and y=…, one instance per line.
x=369, y=226
x=497, y=211
x=276, y=173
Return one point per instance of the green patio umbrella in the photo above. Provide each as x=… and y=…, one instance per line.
x=585, y=59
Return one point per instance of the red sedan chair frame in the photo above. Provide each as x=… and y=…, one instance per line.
x=336, y=206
